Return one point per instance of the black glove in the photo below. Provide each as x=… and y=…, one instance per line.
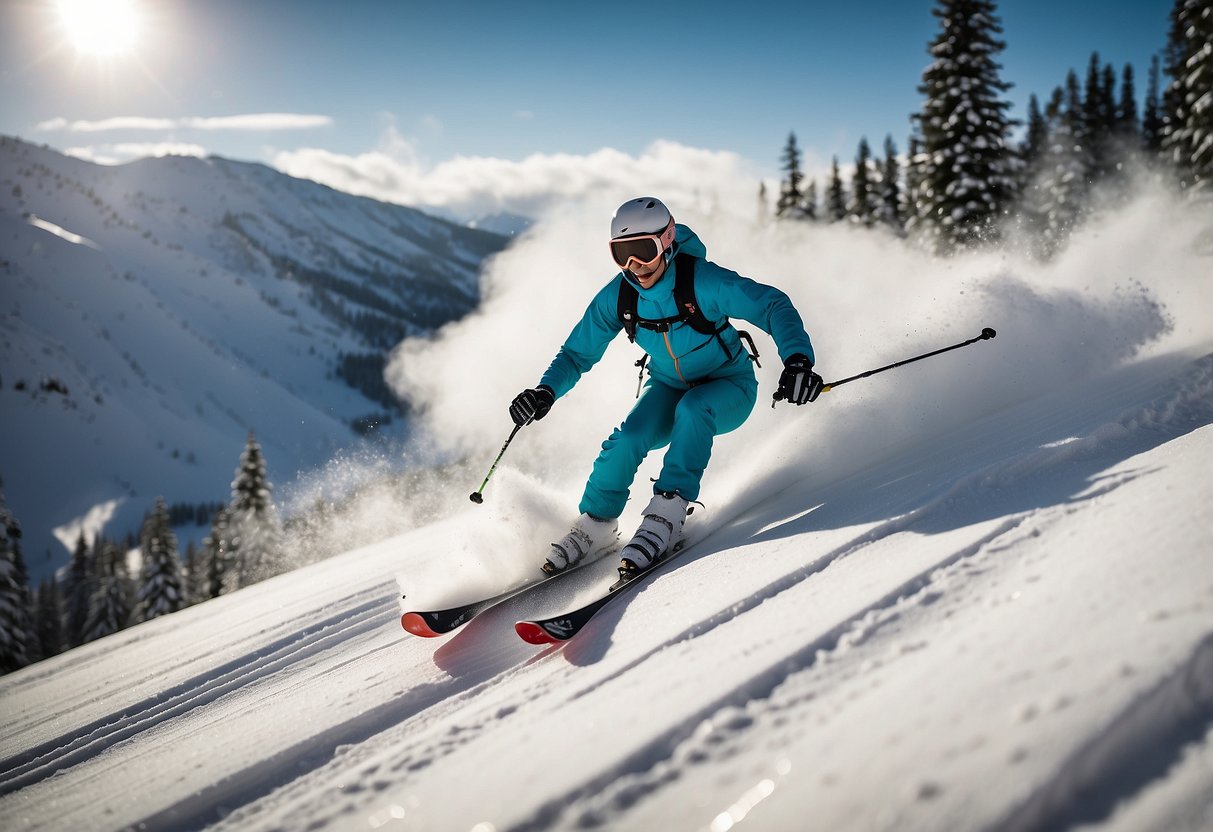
x=798, y=383
x=532, y=405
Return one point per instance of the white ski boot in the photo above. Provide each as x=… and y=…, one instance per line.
x=658, y=534
x=589, y=539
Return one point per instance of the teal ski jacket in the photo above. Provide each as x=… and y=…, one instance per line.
x=682, y=357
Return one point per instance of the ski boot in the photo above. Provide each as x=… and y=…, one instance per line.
x=589, y=539
x=659, y=533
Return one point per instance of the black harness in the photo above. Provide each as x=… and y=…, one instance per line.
x=690, y=313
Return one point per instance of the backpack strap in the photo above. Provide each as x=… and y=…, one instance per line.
x=628, y=297
x=684, y=299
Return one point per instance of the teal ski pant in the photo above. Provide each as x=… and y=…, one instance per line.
x=686, y=420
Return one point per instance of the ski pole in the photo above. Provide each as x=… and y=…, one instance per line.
x=477, y=496
x=986, y=334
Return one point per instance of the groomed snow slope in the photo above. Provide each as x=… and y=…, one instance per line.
x=1005, y=624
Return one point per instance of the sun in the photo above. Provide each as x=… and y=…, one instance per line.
x=100, y=28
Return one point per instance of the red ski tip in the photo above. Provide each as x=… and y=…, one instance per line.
x=413, y=622
x=532, y=633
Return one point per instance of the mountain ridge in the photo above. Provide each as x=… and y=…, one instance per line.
x=156, y=312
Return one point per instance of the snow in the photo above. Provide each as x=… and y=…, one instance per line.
x=61, y=232
x=160, y=295
x=971, y=593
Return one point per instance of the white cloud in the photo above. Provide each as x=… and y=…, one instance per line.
x=114, y=154
x=249, y=121
x=475, y=185
x=259, y=121
x=116, y=123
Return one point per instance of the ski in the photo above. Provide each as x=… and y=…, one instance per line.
x=435, y=623
x=562, y=627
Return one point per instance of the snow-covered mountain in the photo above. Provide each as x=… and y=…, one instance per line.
x=152, y=314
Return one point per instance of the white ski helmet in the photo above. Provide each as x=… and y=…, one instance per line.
x=643, y=215
x=642, y=229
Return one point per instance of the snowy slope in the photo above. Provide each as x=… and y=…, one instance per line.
x=1008, y=625
x=174, y=304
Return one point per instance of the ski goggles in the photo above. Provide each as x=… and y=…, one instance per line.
x=645, y=248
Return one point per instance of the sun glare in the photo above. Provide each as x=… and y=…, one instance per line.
x=100, y=28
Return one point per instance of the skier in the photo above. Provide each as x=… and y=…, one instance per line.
x=701, y=382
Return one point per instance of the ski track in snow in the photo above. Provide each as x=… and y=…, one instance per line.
x=616, y=789
x=832, y=614
x=47, y=759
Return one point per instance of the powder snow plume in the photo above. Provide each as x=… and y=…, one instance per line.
x=1133, y=284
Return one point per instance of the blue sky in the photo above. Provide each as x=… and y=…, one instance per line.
x=424, y=85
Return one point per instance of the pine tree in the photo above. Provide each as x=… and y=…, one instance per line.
x=1036, y=138
x=1187, y=130
x=216, y=556
x=49, y=620
x=863, y=207
x=790, y=196
x=892, y=207
x=809, y=206
x=1128, y=124
x=836, y=198
x=78, y=592
x=255, y=541
x=1151, y=117
x=16, y=631
x=1036, y=159
x=193, y=575
x=160, y=591
x=1099, y=122
x=110, y=607
x=915, y=225
x=1063, y=181
x=969, y=175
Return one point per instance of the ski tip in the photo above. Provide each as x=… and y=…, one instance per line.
x=533, y=633
x=415, y=623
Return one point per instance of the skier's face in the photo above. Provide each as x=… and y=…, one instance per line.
x=647, y=274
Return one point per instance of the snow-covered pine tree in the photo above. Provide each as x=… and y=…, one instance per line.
x=916, y=163
x=16, y=632
x=969, y=173
x=836, y=197
x=1151, y=116
x=110, y=607
x=1062, y=183
x=193, y=574
x=790, y=196
x=809, y=206
x=892, y=205
x=78, y=593
x=160, y=585
x=48, y=619
x=863, y=208
x=1187, y=130
x=217, y=556
x=1030, y=205
x=1128, y=123
x=1098, y=119
x=256, y=544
